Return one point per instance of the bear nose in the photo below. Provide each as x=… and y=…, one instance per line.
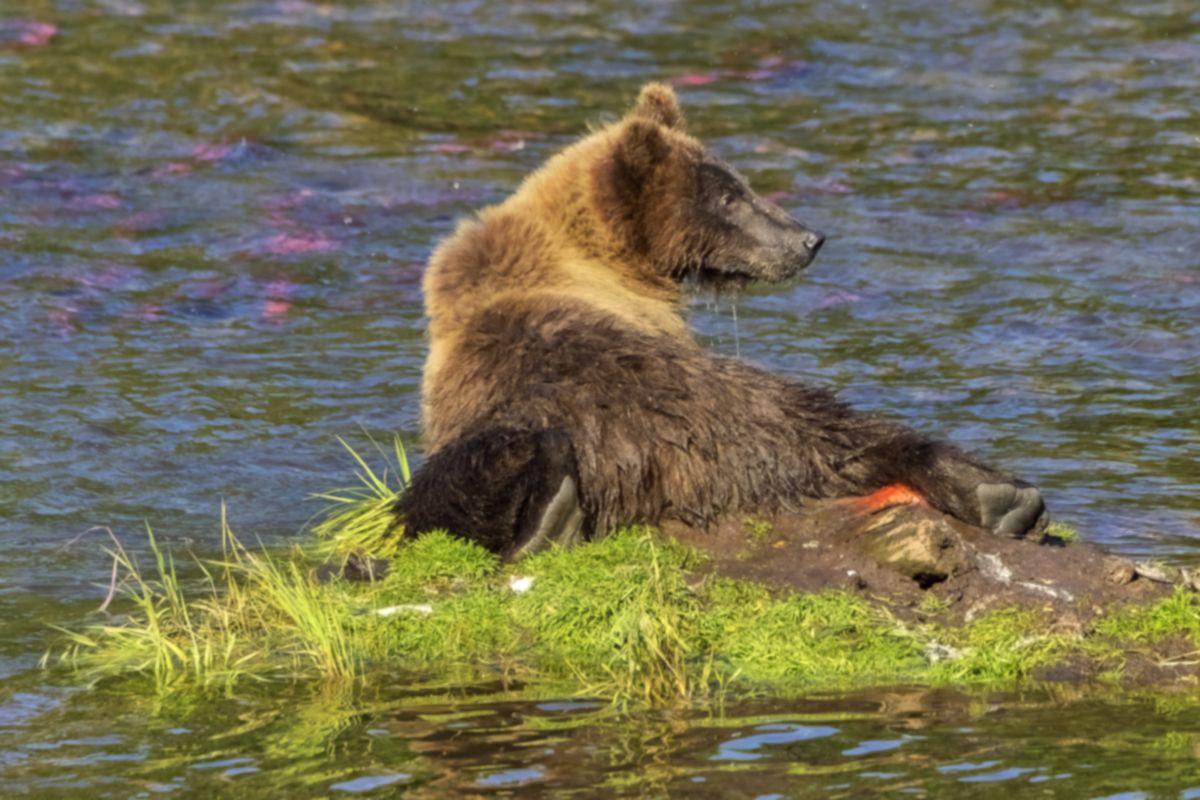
x=813, y=241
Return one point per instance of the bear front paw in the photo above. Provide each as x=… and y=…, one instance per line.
x=1013, y=510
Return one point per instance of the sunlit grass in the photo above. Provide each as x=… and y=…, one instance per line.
x=166, y=634
x=631, y=617
x=1006, y=645
x=1062, y=532
x=1177, y=615
x=359, y=518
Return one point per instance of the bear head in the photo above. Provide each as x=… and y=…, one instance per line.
x=685, y=213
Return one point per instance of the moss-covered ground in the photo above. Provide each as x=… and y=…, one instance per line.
x=633, y=617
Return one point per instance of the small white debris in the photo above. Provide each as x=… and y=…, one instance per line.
x=991, y=566
x=520, y=583
x=1049, y=591
x=850, y=573
x=937, y=651
x=417, y=608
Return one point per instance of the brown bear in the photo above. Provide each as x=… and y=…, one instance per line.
x=564, y=394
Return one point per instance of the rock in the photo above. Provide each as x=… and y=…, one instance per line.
x=1152, y=572
x=926, y=549
x=902, y=554
x=1119, y=570
x=1190, y=579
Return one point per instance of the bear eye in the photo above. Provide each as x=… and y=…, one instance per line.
x=728, y=198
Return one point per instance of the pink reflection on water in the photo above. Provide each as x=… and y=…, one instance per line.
x=198, y=154
x=839, y=298
x=27, y=33
x=451, y=148
x=289, y=199
x=510, y=141
x=88, y=202
x=140, y=221
x=13, y=171
x=272, y=310
x=213, y=151
x=768, y=68
x=280, y=287
x=63, y=319
x=279, y=208
x=108, y=278
x=695, y=79
x=174, y=168
x=504, y=141
x=208, y=290
x=278, y=303
x=833, y=186
x=288, y=244
x=146, y=312
x=773, y=67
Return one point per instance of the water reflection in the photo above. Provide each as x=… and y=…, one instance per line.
x=745, y=748
x=491, y=739
x=369, y=784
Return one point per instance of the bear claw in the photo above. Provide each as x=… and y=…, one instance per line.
x=561, y=523
x=1007, y=509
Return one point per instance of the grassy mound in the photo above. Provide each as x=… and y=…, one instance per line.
x=629, y=617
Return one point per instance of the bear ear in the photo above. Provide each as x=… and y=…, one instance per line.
x=641, y=148
x=658, y=103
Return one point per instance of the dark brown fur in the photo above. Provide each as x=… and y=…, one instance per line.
x=661, y=428
x=558, y=348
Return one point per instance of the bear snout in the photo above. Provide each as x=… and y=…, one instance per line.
x=812, y=242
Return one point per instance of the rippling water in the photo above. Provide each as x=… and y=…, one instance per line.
x=895, y=743
x=213, y=219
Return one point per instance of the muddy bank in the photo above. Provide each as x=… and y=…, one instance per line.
x=922, y=566
x=906, y=555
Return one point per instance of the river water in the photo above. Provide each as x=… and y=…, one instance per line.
x=213, y=220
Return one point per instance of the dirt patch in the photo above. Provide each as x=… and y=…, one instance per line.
x=920, y=562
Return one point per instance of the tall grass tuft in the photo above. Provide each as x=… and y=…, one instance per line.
x=248, y=615
x=166, y=633
x=359, y=518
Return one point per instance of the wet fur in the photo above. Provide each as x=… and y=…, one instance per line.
x=661, y=428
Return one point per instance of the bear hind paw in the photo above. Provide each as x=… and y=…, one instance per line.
x=1012, y=510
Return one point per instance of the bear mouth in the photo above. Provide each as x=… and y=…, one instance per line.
x=734, y=281
x=718, y=281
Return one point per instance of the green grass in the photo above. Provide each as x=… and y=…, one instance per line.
x=358, y=518
x=631, y=617
x=758, y=529
x=1004, y=646
x=1177, y=615
x=619, y=614
x=1062, y=532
